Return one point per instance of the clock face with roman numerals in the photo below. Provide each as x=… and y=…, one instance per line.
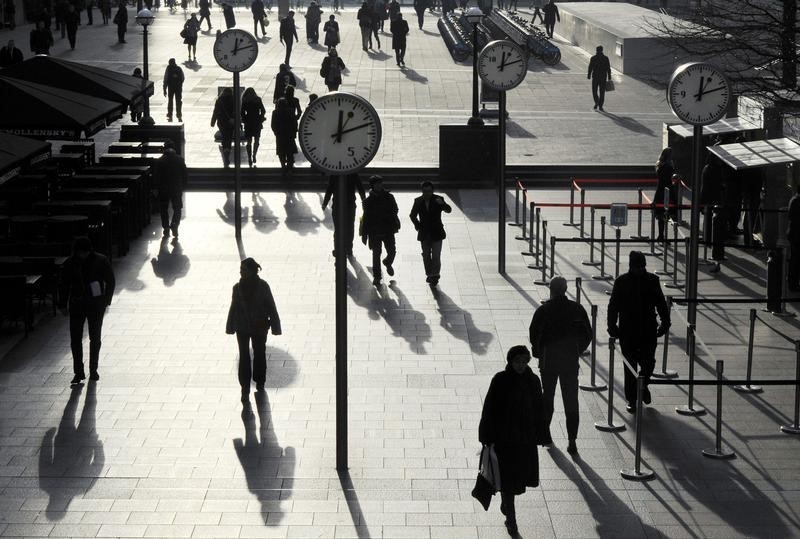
x=339, y=133
x=699, y=93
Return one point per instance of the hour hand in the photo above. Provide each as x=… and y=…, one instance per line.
x=338, y=133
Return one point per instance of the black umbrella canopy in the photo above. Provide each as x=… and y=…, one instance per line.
x=39, y=111
x=84, y=79
x=17, y=152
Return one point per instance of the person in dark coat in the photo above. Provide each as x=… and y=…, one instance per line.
x=313, y=20
x=420, y=6
x=635, y=300
x=512, y=420
x=664, y=171
x=379, y=227
x=376, y=13
x=393, y=10
x=793, y=235
x=551, y=15
x=253, y=116
x=170, y=177
x=205, y=14
x=173, y=88
x=284, y=78
x=105, y=10
x=86, y=287
x=288, y=31
x=364, y=17
x=399, y=30
x=331, y=31
x=284, y=127
x=353, y=184
x=331, y=70
x=121, y=20
x=223, y=117
x=72, y=19
x=90, y=12
x=599, y=72
x=251, y=315
x=259, y=14
x=191, y=28
x=10, y=55
x=60, y=13
x=137, y=110
x=426, y=214
x=10, y=14
x=41, y=39
x=560, y=331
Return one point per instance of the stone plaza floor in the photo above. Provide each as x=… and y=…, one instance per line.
x=162, y=446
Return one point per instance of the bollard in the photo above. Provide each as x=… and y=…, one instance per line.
x=529, y=252
x=747, y=388
x=524, y=215
x=690, y=409
x=609, y=425
x=717, y=452
x=543, y=280
x=602, y=276
x=516, y=204
x=664, y=372
x=591, y=261
x=583, y=205
x=795, y=427
x=675, y=284
x=592, y=385
x=552, y=256
x=571, y=204
x=535, y=264
x=637, y=474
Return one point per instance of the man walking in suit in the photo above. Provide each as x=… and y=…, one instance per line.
x=599, y=72
x=426, y=214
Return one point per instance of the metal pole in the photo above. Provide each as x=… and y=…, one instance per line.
x=146, y=73
x=694, y=227
x=341, y=324
x=552, y=256
x=690, y=409
x=524, y=214
x=592, y=386
x=637, y=474
x=747, y=388
x=717, y=452
x=652, y=234
x=795, y=427
x=501, y=178
x=535, y=251
x=583, y=202
x=591, y=261
x=475, y=120
x=706, y=241
x=571, y=203
x=638, y=235
x=609, y=425
x=516, y=203
x=664, y=372
x=237, y=176
x=543, y=280
x=616, y=253
x=578, y=290
x=675, y=284
x=665, y=252
x=602, y=276
x=530, y=234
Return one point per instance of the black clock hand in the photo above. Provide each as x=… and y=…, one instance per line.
x=514, y=62
x=338, y=133
x=362, y=126
x=245, y=47
x=712, y=90
x=699, y=94
x=502, y=61
x=236, y=45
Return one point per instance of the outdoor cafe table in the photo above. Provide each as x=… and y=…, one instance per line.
x=98, y=211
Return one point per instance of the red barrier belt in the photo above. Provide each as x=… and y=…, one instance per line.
x=607, y=206
x=647, y=181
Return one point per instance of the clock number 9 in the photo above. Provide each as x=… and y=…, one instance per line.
x=351, y=152
x=683, y=93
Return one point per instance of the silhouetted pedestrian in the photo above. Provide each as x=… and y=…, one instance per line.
x=426, y=214
x=284, y=127
x=399, y=30
x=536, y=6
x=364, y=18
x=331, y=31
x=170, y=177
x=173, y=88
x=376, y=13
x=259, y=15
x=331, y=70
x=353, y=184
x=86, y=287
x=599, y=72
x=105, y=10
x=664, y=192
x=253, y=116
x=10, y=14
x=190, y=30
x=560, y=331
x=137, y=110
x=223, y=117
x=205, y=13
x=72, y=20
x=10, y=55
x=61, y=12
x=551, y=15
x=512, y=421
x=379, y=226
x=635, y=299
x=90, y=12
x=284, y=78
x=313, y=20
x=793, y=235
x=287, y=31
x=420, y=6
x=41, y=39
x=251, y=315
x=121, y=20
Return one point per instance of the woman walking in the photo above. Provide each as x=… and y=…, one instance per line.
x=331, y=30
x=512, y=421
x=223, y=118
x=331, y=70
x=189, y=34
x=284, y=126
x=251, y=315
x=399, y=29
x=664, y=170
x=253, y=115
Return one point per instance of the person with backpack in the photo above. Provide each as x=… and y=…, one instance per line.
x=170, y=177
x=173, y=88
x=331, y=70
x=284, y=127
x=223, y=117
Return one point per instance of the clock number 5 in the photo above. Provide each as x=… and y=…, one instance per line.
x=351, y=152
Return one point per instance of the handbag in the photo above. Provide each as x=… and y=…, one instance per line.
x=184, y=35
x=487, y=484
x=610, y=86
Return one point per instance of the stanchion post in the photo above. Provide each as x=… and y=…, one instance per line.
x=524, y=215
x=652, y=234
x=529, y=252
x=690, y=408
x=552, y=256
x=794, y=428
x=602, y=276
x=616, y=253
x=592, y=385
x=578, y=291
x=675, y=284
x=583, y=206
x=516, y=204
x=543, y=280
x=717, y=452
x=538, y=247
x=665, y=253
x=747, y=388
x=609, y=425
x=638, y=235
x=706, y=241
x=637, y=473
x=591, y=261
x=571, y=203
x=665, y=373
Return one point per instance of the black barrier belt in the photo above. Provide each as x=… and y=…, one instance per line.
x=678, y=382
x=621, y=240
x=678, y=299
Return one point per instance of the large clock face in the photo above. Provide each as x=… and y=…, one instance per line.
x=699, y=93
x=235, y=50
x=339, y=133
x=502, y=64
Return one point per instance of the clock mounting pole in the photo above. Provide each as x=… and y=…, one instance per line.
x=694, y=225
x=237, y=156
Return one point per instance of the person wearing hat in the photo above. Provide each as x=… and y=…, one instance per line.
x=635, y=300
x=250, y=317
x=379, y=227
x=171, y=177
x=512, y=421
x=560, y=331
x=599, y=72
x=426, y=214
x=86, y=287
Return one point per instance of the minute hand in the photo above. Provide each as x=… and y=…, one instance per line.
x=704, y=92
x=362, y=126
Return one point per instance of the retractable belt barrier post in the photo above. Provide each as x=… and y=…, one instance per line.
x=543, y=280
x=616, y=253
x=529, y=252
x=583, y=205
x=537, y=248
x=665, y=252
x=552, y=255
x=717, y=452
x=665, y=373
x=578, y=284
x=571, y=204
x=690, y=409
x=609, y=425
x=592, y=385
x=516, y=204
x=675, y=284
x=637, y=473
x=591, y=261
x=602, y=276
x=638, y=235
x=706, y=235
x=747, y=388
x=524, y=214
x=794, y=428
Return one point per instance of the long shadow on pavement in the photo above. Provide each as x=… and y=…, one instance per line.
x=477, y=339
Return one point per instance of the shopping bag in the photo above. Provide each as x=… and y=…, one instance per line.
x=487, y=484
x=610, y=86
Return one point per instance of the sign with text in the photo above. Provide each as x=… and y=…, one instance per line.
x=619, y=214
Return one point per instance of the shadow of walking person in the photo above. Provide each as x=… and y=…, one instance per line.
x=299, y=216
x=268, y=468
x=263, y=218
x=227, y=211
x=170, y=265
x=451, y=314
x=71, y=457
